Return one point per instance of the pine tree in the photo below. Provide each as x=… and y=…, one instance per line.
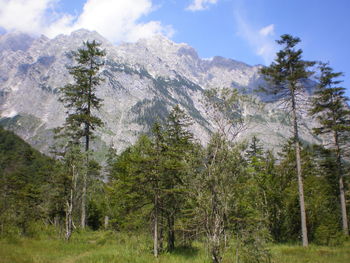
x=153, y=172
x=255, y=151
x=178, y=142
x=331, y=109
x=286, y=75
x=321, y=199
x=80, y=100
x=136, y=186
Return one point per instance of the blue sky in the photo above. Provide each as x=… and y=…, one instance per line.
x=244, y=30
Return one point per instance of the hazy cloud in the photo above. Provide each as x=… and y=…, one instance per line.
x=198, y=5
x=260, y=39
x=117, y=20
x=267, y=31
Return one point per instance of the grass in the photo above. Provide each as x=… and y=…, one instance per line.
x=92, y=247
x=311, y=254
x=108, y=247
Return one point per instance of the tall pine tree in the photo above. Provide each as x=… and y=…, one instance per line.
x=179, y=142
x=286, y=74
x=330, y=107
x=80, y=99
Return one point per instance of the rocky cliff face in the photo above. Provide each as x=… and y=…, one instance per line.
x=143, y=81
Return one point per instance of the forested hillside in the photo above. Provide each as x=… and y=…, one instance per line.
x=26, y=183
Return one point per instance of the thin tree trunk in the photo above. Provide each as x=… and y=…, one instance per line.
x=171, y=233
x=69, y=208
x=69, y=220
x=56, y=221
x=161, y=231
x=299, y=174
x=83, y=196
x=155, y=227
x=83, y=202
x=87, y=147
x=343, y=206
x=237, y=249
x=215, y=221
x=301, y=197
x=69, y=204
x=106, y=222
x=216, y=236
x=341, y=187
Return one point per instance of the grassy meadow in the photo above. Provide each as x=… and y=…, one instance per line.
x=108, y=247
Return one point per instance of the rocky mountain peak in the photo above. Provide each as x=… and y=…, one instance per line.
x=82, y=35
x=143, y=81
x=227, y=63
x=15, y=41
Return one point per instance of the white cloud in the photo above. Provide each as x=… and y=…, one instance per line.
x=117, y=20
x=261, y=40
x=267, y=30
x=24, y=15
x=198, y=5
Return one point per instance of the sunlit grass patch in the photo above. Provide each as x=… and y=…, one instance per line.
x=111, y=247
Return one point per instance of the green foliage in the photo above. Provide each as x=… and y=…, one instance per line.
x=25, y=175
x=330, y=103
x=286, y=75
x=149, y=179
x=228, y=202
x=129, y=187
x=320, y=196
x=333, y=113
x=255, y=151
x=80, y=98
x=252, y=245
x=288, y=69
x=328, y=235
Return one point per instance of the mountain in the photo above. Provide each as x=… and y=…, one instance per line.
x=143, y=80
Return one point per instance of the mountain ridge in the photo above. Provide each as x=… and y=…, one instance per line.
x=143, y=81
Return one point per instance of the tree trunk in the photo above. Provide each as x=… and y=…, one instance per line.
x=83, y=196
x=69, y=205
x=343, y=205
x=161, y=231
x=216, y=236
x=56, y=221
x=106, y=222
x=214, y=221
x=87, y=147
x=171, y=233
x=83, y=202
x=215, y=232
x=299, y=174
x=155, y=227
x=69, y=212
x=341, y=187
